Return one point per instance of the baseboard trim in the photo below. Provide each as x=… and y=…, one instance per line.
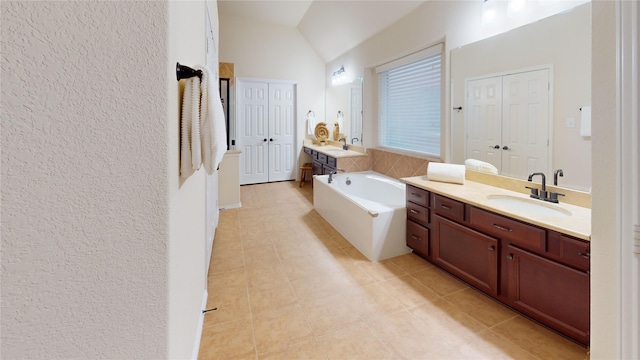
x=231, y=206
x=196, y=346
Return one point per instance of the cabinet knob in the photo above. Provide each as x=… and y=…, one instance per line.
x=491, y=248
x=495, y=147
x=505, y=148
x=264, y=140
x=584, y=255
x=416, y=238
x=270, y=139
x=510, y=256
x=414, y=211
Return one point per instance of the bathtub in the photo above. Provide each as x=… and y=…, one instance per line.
x=367, y=208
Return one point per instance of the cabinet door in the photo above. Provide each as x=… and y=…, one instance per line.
x=549, y=292
x=317, y=168
x=466, y=253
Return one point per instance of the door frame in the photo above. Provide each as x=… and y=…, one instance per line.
x=296, y=103
x=551, y=123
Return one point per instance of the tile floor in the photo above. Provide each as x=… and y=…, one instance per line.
x=288, y=286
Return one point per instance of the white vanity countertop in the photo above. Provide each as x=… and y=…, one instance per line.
x=334, y=151
x=578, y=224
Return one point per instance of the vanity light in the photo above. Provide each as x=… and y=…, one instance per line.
x=339, y=76
x=489, y=11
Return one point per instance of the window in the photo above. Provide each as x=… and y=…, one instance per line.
x=409, y=100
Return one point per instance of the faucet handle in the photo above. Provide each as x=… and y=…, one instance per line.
x=553, y=197
x=534, y=192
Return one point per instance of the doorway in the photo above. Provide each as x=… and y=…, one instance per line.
x=266, y=128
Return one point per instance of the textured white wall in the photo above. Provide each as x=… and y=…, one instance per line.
x=187, y=274
x=102, y=244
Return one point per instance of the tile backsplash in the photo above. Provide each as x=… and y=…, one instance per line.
x=391, y=164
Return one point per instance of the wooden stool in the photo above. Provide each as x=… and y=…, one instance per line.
x=306, y=167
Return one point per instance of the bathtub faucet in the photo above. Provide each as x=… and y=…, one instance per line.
x=332, y=173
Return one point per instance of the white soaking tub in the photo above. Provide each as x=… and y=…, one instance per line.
x=367, y=208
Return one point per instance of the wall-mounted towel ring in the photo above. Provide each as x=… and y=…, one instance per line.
x=311, y=113
x=185, y=72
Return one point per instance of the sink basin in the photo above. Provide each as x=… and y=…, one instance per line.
x=527, y=205
x=337, y=151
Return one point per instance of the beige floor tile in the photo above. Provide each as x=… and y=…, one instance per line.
x=226, y=261
x=220, y=282
x=439, y=281
x=409, y=291
x=301, y=267
x=355, y=341
x=263, y=257
x=302, y=350
x=373, y=299
x=539, y=341
x=350, y=276
x=488, y=345
x=406, y=336
x=410, y=263
x=454, y=325
x=231, y=304
x=480, y=307
x=266, y=277
x=352, y=256
x=232, y=340
x=314, y=287
x=382, y=270
x=275, y=330
x=331, y=313
x=268, y=298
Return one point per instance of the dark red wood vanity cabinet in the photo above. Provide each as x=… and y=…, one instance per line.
x=541, y=273
x=418, y=221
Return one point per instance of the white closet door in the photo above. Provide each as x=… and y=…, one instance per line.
x=525, y=123
x=253, y=131
x=484, y=120
x=281, y=132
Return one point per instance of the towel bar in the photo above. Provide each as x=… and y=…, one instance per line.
x=185, y=72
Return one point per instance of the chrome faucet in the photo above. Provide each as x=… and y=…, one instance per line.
x=543, y=194
x=555, y=176
x=333, y=172
x=345, y=146
x=534, y=192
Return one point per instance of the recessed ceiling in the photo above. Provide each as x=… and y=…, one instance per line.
x=331, y=27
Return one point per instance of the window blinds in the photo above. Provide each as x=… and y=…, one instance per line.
x=410, y=101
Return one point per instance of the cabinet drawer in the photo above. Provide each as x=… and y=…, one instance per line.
x=448, y=208
x=417, y=213
x=331, y=161
x=569, y=250
x=322, y=158
x=502, y=227
x=417, y=196
x=308, y=151
x=418, y=238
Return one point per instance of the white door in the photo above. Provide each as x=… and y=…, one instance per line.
x=484, y=125
x=281, y=132
x=253, y=131
x=525, y=123
x=266, y=131
x=356, y=115
x=508, y=122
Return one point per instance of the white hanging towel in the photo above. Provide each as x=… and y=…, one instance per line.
x=214, y=128
x=311, y=123
x=190, y=127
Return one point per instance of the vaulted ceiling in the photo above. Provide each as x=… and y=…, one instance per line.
x=331, y=27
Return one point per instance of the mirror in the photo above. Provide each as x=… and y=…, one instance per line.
x=561, y=44
x=343, y=104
